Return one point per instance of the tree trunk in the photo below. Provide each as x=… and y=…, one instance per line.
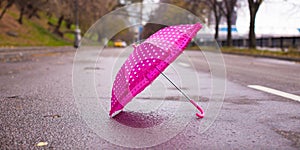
x=57, y=27
x=217, y=19
x=68, y=23
x=253, y=8
x=228, y=9
x=229, y=36
x=217, y=29
x=216, y=9
x=3, y=12
x=33, y=13
x=9, y=4
x=252, y=37
x=20, y=20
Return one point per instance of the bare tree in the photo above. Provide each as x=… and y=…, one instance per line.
x=214, y=6
x=22, y=6
x=94, y=9
x=8, y=4
x=89, y=12
x=1, y=2
x=228, y=10
x=253, y=8
x=29, y=7
x=35, y=6
x=61, y=9
x=197, y=7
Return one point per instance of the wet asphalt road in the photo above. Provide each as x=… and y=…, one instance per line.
x=38, y=105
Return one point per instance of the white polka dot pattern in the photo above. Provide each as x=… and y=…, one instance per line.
x=142, y=66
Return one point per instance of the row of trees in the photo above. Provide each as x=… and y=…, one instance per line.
x=26, y=7
x=91, y=10
x=226, y=8
x=220, y=8
x=63, y=10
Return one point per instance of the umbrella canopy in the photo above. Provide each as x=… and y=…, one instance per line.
x=148, y=60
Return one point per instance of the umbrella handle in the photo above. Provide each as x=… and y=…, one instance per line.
x=201, y=114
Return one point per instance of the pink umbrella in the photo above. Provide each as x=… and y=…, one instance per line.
x=148, y=60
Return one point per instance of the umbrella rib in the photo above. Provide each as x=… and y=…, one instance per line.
x=185, y=95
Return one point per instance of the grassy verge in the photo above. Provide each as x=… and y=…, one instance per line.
x=33, y=32
x=291, y=54
x=41, y=37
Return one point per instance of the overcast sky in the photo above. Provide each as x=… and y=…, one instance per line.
x=274, y=17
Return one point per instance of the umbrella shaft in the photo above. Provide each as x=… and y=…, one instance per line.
x=186, y=96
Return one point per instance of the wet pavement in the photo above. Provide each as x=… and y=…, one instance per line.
x=38, y=104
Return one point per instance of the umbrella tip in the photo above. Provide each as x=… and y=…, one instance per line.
x=134, y=45
x=110, y=113
x=199, y=24
x=113, y=114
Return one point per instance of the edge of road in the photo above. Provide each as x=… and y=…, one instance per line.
x=10, y=53
x=16, y=54
x=34, y=48
x=265, y=56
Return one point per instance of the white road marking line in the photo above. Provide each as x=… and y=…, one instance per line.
x=183, y=64
x=276, y=92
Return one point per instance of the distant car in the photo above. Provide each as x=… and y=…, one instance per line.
x=120, y=44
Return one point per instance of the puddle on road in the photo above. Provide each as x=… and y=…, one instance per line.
x=52, y=116
x=14, y=96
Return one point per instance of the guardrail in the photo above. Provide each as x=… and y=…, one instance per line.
x=268, y=42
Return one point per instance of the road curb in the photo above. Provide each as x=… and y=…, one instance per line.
x=265, y=56
x=24, y=53
x=38, y=48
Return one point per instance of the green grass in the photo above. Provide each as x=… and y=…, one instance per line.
x=63, y=28
x=13, y=14
x=45, y=37
x=52, y=20
x=36, y=35
x=292, y=54
x=33, y=32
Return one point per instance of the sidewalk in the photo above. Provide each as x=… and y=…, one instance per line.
x=15, y=54
x=35, y=48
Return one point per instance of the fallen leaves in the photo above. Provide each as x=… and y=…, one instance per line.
x=40, y=144
x=52, y=116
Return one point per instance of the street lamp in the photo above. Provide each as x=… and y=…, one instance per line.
x=140, y=28
x=77, y=30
